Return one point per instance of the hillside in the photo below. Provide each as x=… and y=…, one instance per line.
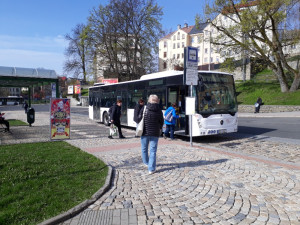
x=265, y=85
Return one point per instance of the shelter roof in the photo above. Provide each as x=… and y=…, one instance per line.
x=25, y=77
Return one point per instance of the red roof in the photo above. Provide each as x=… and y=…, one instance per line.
x=185, y=29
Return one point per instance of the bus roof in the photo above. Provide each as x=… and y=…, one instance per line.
x=159, y=75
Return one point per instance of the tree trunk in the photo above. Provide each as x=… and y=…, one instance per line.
x=283, y=84
x=281, y=76
x=296, y=82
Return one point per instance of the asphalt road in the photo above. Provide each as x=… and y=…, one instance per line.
x=271, y=127
x=276, y=127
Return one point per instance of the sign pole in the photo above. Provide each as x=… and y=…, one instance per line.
x=190, y=119
x=190, y=78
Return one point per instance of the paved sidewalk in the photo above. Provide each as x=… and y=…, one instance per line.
x=243, y=180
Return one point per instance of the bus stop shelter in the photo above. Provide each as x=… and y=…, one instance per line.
x=27, y=77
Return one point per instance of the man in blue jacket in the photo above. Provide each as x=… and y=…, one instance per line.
x=170, y=125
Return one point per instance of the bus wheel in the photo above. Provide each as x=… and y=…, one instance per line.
x=105, y=119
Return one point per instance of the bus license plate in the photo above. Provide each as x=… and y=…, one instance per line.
x=222, y=131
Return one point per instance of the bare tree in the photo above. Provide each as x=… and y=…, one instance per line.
x=262, y=28
x=78, y=52
x=125, y=35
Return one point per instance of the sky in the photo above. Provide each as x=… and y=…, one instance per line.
x=32, y=31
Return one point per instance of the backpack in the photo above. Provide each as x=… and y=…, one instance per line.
x=169, y=116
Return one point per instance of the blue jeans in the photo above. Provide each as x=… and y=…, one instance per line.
x=150, y=159
x=170, y=129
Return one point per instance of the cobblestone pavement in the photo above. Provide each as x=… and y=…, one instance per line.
x=231, y=179
x=286, y=150
x=200, y=184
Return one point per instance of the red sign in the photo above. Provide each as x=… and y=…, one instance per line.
x=110, y=81
x=77, y=89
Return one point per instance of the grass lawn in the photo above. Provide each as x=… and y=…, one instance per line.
x=85, y=92
x=13, y=122
x=41, y=180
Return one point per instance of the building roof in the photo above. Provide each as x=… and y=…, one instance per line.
x=200, y=28
x=188, y=29
x=168, y=36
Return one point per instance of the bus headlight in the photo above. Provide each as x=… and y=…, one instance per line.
x=199, y=124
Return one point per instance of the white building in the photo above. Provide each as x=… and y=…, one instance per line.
x=171, y=47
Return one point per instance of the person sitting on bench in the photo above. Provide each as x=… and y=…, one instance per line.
x=3, y=121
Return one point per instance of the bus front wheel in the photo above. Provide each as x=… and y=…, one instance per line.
x=106, y=119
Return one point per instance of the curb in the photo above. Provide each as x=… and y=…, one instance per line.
x=83, y=205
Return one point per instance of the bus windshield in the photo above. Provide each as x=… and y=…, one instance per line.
x=216, y=94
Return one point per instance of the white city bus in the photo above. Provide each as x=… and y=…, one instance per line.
x=216, y=104
x=11, y=100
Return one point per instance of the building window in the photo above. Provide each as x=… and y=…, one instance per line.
x=178, y=36
x=182, y=45
x=173, y=56
x=183, y=36
x=182, y=55
x=205, y=59
x=211, y=59
x=206, y=50
x=165, y=65
x=178, y=45
x=165, y=44
x=178, y=55
x=165, y=54
x=217, y=59
x=174, y=45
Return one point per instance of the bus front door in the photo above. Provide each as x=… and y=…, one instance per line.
x=176, y=94
x=96, y=106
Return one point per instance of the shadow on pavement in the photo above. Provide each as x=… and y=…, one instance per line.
x=161, y=167
x=254, y=130
x=170, y=166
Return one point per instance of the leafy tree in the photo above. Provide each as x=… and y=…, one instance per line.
x=261, y=28
x=78, y=51
x=228, y=65
x=125, y=36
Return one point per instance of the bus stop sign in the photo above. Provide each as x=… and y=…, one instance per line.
x=191, y=66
